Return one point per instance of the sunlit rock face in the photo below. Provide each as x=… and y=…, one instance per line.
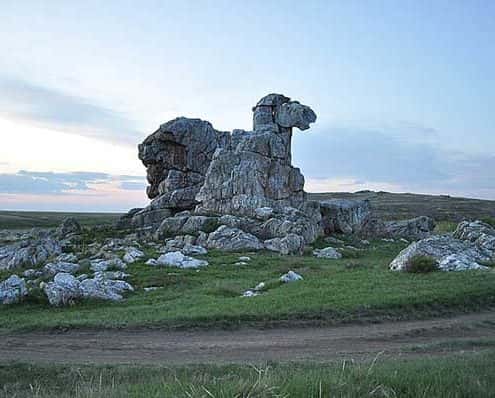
x=192, y=166
x=255, y=171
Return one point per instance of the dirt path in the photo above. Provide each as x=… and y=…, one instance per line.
x=248, y=345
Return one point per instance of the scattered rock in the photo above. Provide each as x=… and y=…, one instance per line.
x=28, y=253
x=290, y=276
x=132, y=255
x=105, y=265
x=327, y=252
x=179, y=260
x=333, y=240
x=69, y=226
x=66, y=289
x=55, y=268
x=469, y=248
x=245, y=258
x=233, y=239
x=290, y=244
x=12, y=290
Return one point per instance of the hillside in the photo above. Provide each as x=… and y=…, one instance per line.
x=388, y=205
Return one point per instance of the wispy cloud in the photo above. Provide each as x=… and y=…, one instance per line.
x=61, y=111
x=400, y=159
x=53, y=183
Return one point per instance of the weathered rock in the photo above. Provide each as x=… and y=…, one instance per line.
x=104, y=289
x=412, y=229
x=69, y=226
x=290, y=276
x=100, y=264
x=327, y=252
x=132, y=255
x=66, y=289
x=179, y=260
x=12, y=290
x=233, y=239
x=28, y=253
x=256, y=171
x=344, y=215
x=61, y=266
x=290, y=244
x=468, y=248
x=192, y=225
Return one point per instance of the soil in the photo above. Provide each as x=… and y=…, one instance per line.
x=155, y=346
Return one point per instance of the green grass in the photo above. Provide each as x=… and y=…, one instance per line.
x=469, y=375
x=333, y=291
x=48, y=219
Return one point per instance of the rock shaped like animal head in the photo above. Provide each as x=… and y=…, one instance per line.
x=279, y=109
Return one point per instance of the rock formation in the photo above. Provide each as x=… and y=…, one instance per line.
x=202, y=179
x=471, y=246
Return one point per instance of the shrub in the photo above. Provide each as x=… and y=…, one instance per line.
x=421, y=264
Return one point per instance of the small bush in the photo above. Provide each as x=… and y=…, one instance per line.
x=421, y=264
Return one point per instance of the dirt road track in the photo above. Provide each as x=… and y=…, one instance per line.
x=151, y=346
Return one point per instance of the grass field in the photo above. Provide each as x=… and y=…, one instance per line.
x=468, y=375
x=357, y=287
x=48, y=219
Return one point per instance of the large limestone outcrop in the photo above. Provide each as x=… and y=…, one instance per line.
x=198, y=174
x=176, y=157
x=256, y=171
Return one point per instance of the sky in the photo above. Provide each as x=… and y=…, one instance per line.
x=404, y=91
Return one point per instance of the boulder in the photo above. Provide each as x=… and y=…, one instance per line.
x=344, y=215
x=179, y=260
x=100, y=264
x=66, y=289
x=61, y=266
x=233, y=239
x=290, y=244
x=69, y=226
x=63, y=290
x=290, y=276
x=412, y=229
x=327, y=252
x=12, y=290
x=132, y=255
x=28, y=253
x=470, y=247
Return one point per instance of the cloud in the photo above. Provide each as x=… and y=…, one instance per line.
x=53, y=183
x=391, y=157
x=64, y=112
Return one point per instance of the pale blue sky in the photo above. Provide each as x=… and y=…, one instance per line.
x=404, y=90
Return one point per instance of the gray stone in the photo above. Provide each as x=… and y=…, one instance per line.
x=233, y=239
x=104, y=289
x=412, y=229
x=179, y=260
x=69, y=226
x=12, y=290
x=344, y=215
x=468, y=248
x=290, y=244
x=291, y=276
x=61, y=266
x=132, y=255
x=327, y=252
x=106, y=264
x=28, y=253
x=64, y=290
